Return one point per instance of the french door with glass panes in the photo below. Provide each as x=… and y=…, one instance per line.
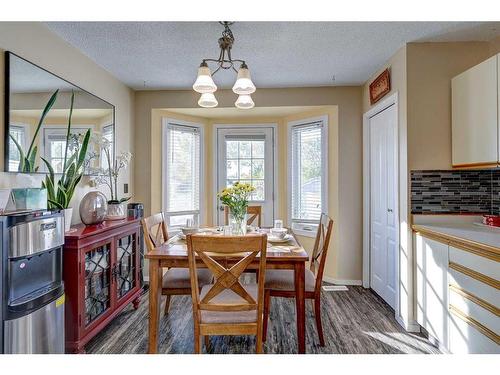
x=246, y=154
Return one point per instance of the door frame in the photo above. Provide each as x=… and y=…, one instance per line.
x=392, y=100
x=274, y=127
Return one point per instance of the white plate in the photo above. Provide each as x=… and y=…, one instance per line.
x=287, y=238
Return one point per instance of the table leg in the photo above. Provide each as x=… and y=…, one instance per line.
x=300, y=305
x=155, y=276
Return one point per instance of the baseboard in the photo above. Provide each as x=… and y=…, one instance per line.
x=342, y=282
x=412, y=326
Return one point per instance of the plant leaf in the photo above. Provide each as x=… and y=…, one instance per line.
x=83, y=150
x=56, y=204
x=32, y=156
x=46, y=110
x=50, y=169
x=21, y=154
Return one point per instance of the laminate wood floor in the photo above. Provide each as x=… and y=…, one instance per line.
x=356, y=321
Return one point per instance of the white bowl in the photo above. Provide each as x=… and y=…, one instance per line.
x=187, y=231
x=279, y=233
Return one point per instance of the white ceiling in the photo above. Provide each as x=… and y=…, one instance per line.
x=166, y=55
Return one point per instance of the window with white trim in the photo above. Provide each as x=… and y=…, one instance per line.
x=54, y=144
x=182, y=174
x=18, y=132
x=308, y=155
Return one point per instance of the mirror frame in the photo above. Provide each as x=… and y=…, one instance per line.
x=8, y=55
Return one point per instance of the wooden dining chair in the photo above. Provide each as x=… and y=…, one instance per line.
x=227, y=307
x=281, y=283
x=176, y=281
x=254, y=213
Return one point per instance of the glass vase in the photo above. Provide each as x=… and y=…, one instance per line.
x=116, y=211
x=238, y=222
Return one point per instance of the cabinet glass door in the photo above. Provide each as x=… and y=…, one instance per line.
x=126, y=266
x=97, y=282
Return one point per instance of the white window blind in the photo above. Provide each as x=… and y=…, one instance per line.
x=308, y=174
x=183, y=174
x=107, y=133
x=19, y=134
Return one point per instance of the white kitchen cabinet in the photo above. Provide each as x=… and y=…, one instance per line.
x=475, y=123
x=432, y=287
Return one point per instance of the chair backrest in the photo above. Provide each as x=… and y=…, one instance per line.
x=214, y=249
x=320, y=250
x=254, y=213
x=155, y=231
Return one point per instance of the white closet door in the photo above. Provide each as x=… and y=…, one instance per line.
x=383, y=247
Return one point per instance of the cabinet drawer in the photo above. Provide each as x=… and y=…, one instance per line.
x=478, y=288
x=478, y=309
x=465, y=338
x=475, y=262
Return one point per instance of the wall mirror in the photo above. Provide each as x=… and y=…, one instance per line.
x=28, y=89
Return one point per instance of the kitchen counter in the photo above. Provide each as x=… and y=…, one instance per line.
x=476, y=237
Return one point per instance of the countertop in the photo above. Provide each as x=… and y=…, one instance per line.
x=468, y=234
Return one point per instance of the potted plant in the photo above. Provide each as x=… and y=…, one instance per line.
x=109, y=177
x=59, y=193
x=236, y=199
x=27, y=160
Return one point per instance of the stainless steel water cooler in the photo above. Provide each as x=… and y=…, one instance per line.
x=32, y=287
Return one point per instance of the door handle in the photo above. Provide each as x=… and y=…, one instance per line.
x=389, y=210
x=221, y=208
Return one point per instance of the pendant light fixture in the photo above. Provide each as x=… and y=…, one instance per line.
x=208, y=100
x=206, y=86
x=244, y=102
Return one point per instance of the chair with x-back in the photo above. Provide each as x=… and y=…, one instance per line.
x=280, y=283
x=176, y=281
x=227, y=307
x=254, y=215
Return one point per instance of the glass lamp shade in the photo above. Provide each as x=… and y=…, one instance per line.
x=208, y=100
x=243, y=84
x=204, y=83
x=244, y=102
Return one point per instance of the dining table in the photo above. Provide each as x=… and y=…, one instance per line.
x=289, y=255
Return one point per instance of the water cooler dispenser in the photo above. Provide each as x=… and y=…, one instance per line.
x=32, y=309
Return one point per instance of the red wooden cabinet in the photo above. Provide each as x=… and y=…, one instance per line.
x=101, y=276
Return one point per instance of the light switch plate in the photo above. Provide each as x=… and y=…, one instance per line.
x=125, y=188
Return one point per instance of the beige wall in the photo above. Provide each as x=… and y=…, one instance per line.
x=36, y=43
x=431, y=66
x=345, y=263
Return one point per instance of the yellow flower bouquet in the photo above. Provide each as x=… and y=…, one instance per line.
x=236, y=199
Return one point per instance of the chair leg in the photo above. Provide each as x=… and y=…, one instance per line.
x=258, y=346
x=207, y=342
x=167, y=304
x=197, y=346
x=267, y=300
x=317, y=315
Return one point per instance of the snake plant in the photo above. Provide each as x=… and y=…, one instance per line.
x=59, y=194
x=27, y=161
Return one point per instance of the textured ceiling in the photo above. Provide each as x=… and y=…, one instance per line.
x=165, y=55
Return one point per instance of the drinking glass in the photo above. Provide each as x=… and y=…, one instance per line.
x=189, y=223
x=278, y=224
x=228, y=230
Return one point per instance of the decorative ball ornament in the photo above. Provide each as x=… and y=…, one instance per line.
x=93, y=208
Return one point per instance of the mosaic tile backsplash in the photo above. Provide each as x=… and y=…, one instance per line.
x=456, y=191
